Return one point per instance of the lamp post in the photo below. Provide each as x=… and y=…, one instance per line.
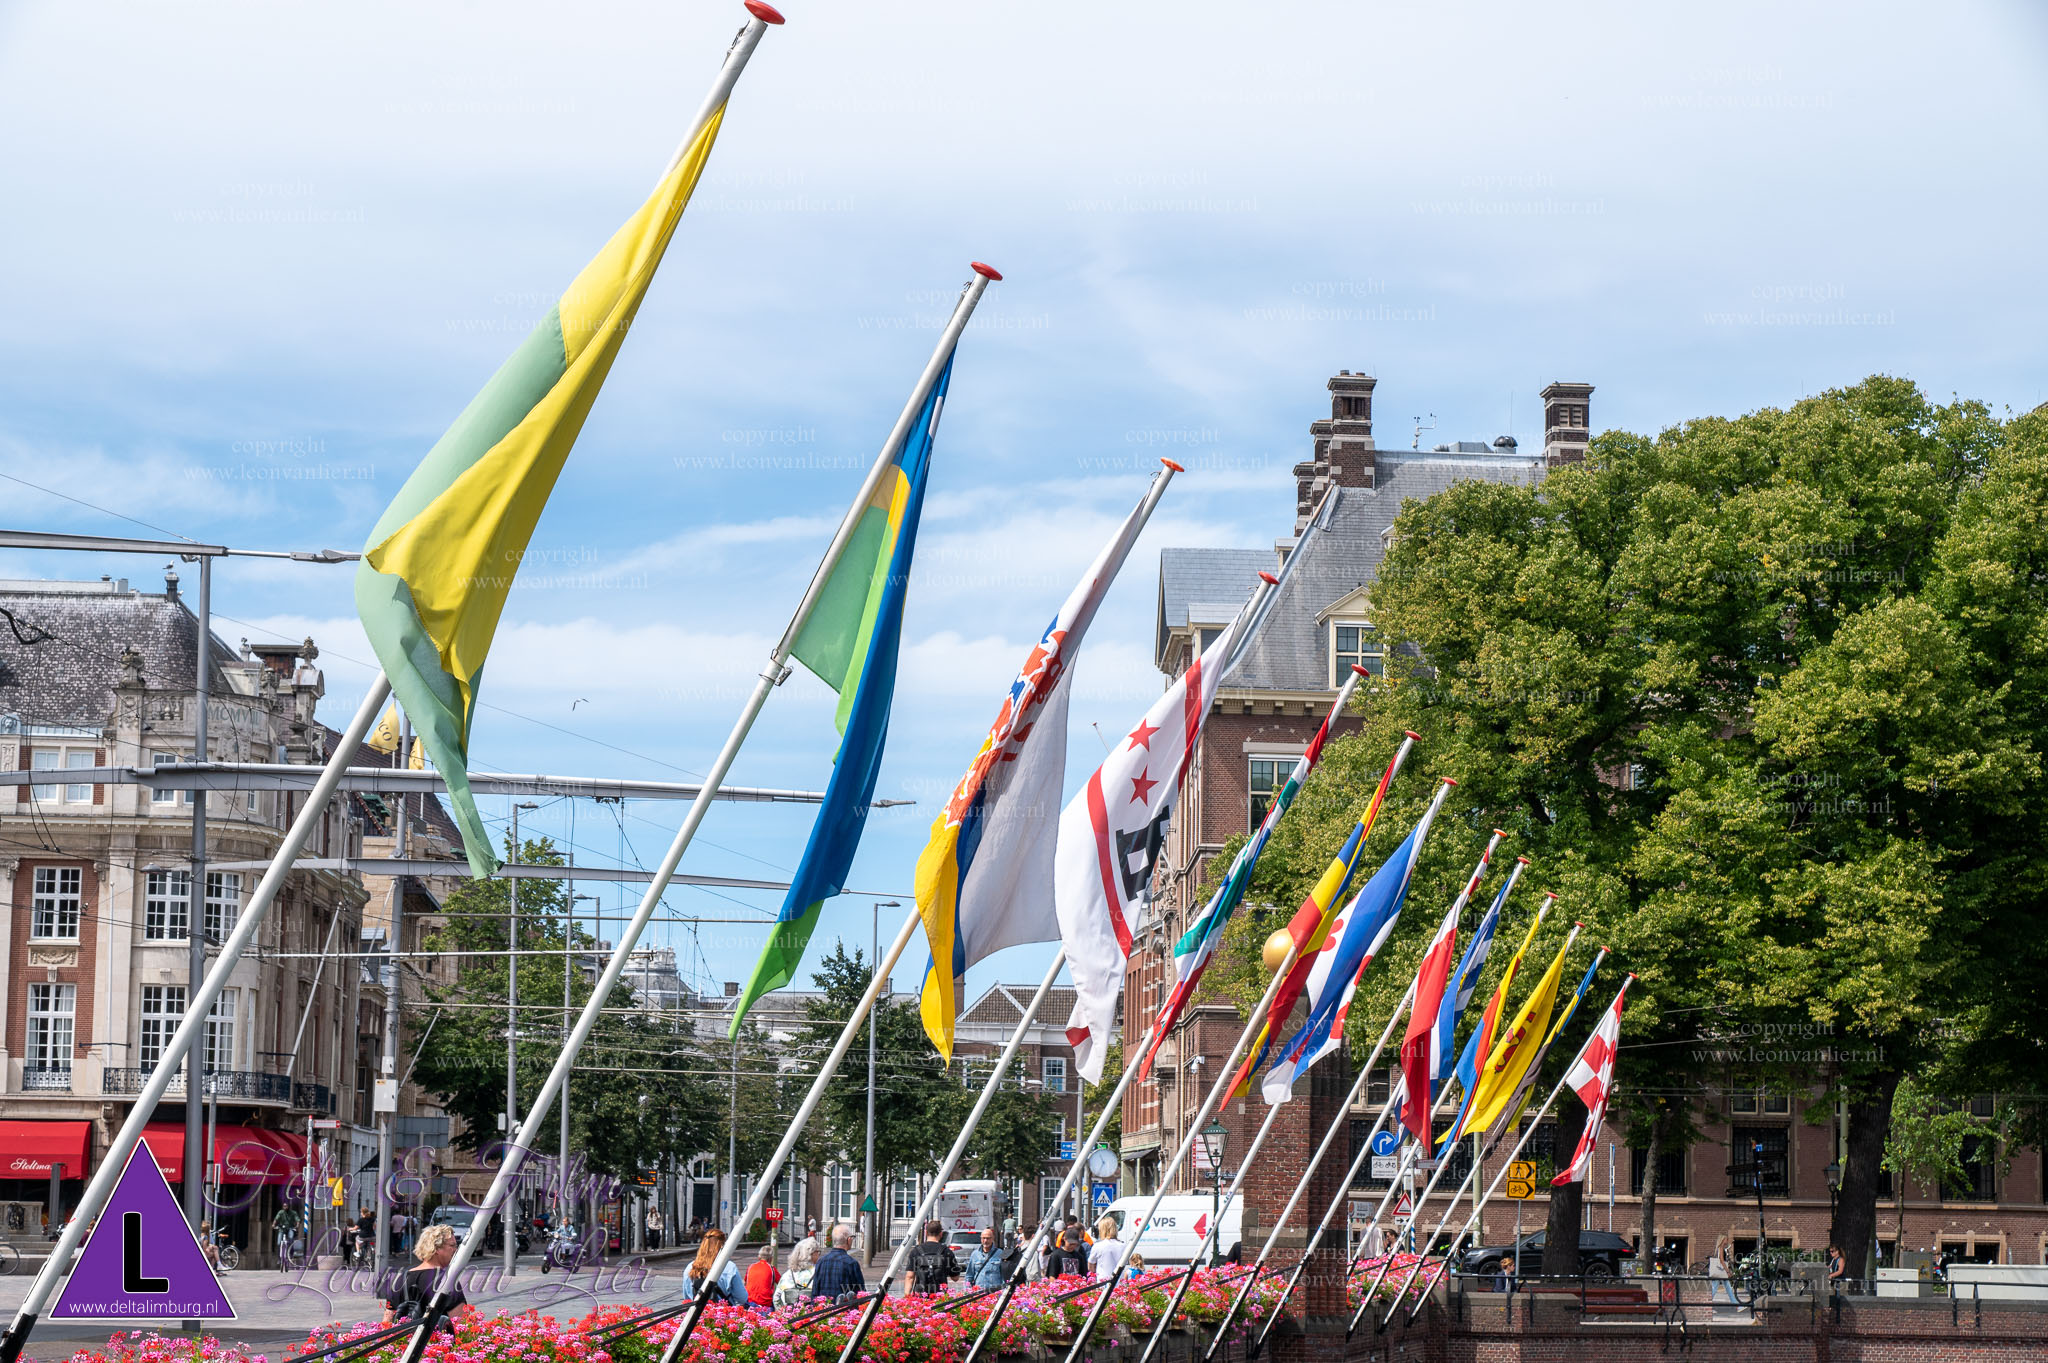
x=564, y=1202
x=510, y=1223
x=875, y=1216
x=1212, y=1143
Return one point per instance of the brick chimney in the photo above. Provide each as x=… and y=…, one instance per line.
x=1566, y=425
x=1344, y=452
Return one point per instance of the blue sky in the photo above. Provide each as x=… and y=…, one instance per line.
x=259, y=254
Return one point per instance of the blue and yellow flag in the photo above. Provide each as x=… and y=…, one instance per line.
x=850, y=642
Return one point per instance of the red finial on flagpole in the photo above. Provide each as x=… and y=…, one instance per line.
x=1268, y=578
x=1412, y=734
x=1577, y=924
x=1360, y=671
x=1450, y=781
x=985, y=271
x=1170, y=464
x=1500, y=832
x=1523, y=860
x=767, y=14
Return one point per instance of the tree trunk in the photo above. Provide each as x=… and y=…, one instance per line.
x=1653, y=1144
x=1567, y=1201
x=1855, y=1225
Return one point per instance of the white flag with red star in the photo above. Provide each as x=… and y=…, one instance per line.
x=1591, y=1076
x=1110, y=836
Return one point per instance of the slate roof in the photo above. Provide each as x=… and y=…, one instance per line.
x=1003, y=1004
x=61, y=645
x=1191, y=576
x=1291, y=653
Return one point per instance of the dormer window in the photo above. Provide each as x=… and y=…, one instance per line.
x=1355, y=643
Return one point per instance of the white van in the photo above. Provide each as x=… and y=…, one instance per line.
x=1175, y=1233
x=971, y=1205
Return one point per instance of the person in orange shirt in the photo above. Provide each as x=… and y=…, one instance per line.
x=761, y=1280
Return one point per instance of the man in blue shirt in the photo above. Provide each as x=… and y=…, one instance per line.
x=985, y=1265
x=838, y=1271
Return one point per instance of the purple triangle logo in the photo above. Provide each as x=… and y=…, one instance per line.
x=141, y=1260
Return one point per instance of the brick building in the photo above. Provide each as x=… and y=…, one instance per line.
x=95, y=879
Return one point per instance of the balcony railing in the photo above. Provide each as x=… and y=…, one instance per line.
x=313, y=1098
x=248, y=1085
x=46, y=1077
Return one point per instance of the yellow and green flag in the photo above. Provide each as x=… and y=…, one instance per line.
x=438, y=565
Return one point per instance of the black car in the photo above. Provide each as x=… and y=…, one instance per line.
x=1600, y=1255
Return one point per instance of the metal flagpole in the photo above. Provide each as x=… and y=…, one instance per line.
x=1209, y=1238
x=1329, y=1140
x=772, y=675
x=191, y=1027
x=952, y=1161
x=1201, y=1117
x=1415, y=1211
x=1479, y=1204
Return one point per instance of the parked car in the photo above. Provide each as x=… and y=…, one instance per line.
x=1601, y=1254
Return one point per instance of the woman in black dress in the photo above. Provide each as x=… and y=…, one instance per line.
x=408, y=1297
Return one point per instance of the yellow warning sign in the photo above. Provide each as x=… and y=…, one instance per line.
x=1522, y=1169
x=1521, y=1189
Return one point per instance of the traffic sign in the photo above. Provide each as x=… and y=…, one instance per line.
x=141, y=1258
x=1521, y=1184
x=773, y=1216
x=1101, y=1195
x=1404, y=1207
x=1522, y=1169
x=867, y=1204
x=1066, y=1150
x=1385, y=1143
x=327, y=1123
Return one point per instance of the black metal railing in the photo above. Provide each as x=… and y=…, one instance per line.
x=46, y=1077
x=313, y=1098
x=251, y=1085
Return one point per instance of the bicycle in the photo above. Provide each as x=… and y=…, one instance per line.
x=290, y=1252
x=226, y=1255
x=10, y=1258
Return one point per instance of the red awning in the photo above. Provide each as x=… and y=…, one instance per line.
x=27, y=1149
x=245, y=1154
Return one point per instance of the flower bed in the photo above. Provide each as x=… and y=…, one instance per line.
x=1398, y=1266
x=908, y=1329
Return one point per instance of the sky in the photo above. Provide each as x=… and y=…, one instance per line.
x=258, y=255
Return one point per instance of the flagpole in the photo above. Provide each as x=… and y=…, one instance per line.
x=193, y=1025
x=951, y=1162
x=1110, y=1106
x=1480, y=1205
x=1224, y=1079
x=1415, y=1211
x=1342, y=1123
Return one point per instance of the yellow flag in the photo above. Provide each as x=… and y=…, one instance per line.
x=417, y=760
x=384, y=738
x=1520, y=1044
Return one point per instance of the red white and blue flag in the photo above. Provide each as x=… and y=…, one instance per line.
x=1420, y=1053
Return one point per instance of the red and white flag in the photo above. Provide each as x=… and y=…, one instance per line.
x=1419, y=1058
x=1110, y=837
x=1591, y=1076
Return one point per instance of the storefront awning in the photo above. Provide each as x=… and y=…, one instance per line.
x=28, y=1149
x=245, y=1154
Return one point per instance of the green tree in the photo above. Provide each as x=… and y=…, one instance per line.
x=1016, y=1134
x=1760, y=697
x=1924, y=1143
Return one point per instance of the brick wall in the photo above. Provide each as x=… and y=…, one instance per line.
x=24, y=973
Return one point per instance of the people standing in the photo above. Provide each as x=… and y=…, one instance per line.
x=416, y=1287
x=1719, y=1287
x=728, y=1288
x=1067, y=1260
x=932, y=1263
x=654, y=1228
x=1107, y=1254
x=762, y=1278
x=838, y=1272
x=985, y=1264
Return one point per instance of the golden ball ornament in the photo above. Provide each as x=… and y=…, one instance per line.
x=1275, y=950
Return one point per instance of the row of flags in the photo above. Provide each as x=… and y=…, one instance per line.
x=998, y=870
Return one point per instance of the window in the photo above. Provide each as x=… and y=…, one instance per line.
x=166, y=906
x=78, y=759
x=1265, y=780
x=1670, y=1171
x=223, y=903
x=43, y=759
x=842, y=1193
x=789, y=1195
x=162, y=1006
x=1357, y=644
x=1979, y=1182
x=1758, y=1156
x=1638, y=777
x=1206, y=635
x=1379, y=1088
x=1055, y=1074
x=55, y=907
x=167, y=797
x=50, y=1012
x=1048, y=1196
x=1759, y=1100
x=1458, y=1161
x=220, y=1032
x=903, y=1192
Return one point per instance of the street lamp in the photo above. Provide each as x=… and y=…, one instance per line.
x=1212, y=1144
x=875, y=1216
x=1834, y=1175
x=511, y=1225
